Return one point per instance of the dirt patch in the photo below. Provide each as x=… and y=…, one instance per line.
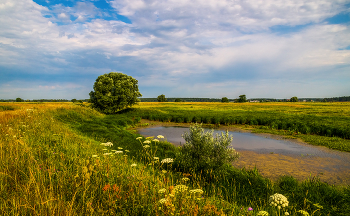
x=301, y=167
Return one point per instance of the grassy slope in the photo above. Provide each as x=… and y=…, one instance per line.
x=47, y=169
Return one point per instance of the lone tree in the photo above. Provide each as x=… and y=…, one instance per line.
x=113, y=92
x=294, y=99
x=224, y=100
x=19, y=100
x=161, y=98
x=242, y=99
x=177, y=100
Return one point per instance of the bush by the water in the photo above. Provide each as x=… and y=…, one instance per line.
x=203, y=151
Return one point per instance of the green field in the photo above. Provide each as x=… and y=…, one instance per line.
x=53, y=163
x=329, y=123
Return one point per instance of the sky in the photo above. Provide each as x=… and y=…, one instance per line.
x=56, y=49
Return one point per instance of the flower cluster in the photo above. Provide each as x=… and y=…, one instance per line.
x=160, y=137
x=167, y=160
x=185, y=179
x=278, y=200
x=194, y=191
x=147, y=142
x=133, y=165
x=107, y=144
x=163, y=190
x=162, y=201
x=263, y=213
x=180, y=188
x=138, y=138
x=118, y=152
x=146, y=146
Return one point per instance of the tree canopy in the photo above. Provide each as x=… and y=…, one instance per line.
x=242, y=98
x=113, y=92
x=161, y=98
x=224, y=100
x=294, y=99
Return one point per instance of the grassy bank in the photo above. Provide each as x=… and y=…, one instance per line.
x=53, y=163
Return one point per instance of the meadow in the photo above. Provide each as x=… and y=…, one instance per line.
x=328, y=123
x=67, y=159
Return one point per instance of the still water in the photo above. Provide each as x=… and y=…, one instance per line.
x=275, y=157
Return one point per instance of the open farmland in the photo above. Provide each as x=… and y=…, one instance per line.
x=330, y=122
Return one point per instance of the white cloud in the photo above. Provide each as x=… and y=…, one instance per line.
x=175, y=40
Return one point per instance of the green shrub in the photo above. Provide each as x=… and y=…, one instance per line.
x=203, y=151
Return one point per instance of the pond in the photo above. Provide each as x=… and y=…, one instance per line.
x=275, y=157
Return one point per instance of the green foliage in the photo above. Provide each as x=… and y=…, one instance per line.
x=242, y=99
x=294, y=99
x=224, y=100
x=74, y=100
x=113, y=92
x=5, y=108
x=19, y=100
x=324, y=119
x=89, y=179
x=204, y=152
x=161, y=98
x=177, y=100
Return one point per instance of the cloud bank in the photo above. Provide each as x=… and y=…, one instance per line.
x=214, y=48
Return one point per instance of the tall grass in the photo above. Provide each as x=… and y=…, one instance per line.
x=53, y=163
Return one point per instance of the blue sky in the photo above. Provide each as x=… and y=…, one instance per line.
x=214, y=48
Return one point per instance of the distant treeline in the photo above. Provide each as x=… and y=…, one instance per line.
x=184, y=99
x=39, y=100
x=337, y=99
x=333, y=99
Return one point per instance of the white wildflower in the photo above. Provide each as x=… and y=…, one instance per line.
x=278, y=200
x=139, y=138
x=155, y=140
x=167, y=160
x=160, y=137
x=162, y=201
x=163, y=190
x=147, y=142
x=133, y=165
x=120, y=148
x=146, y=146
x=263, y=213
x=194, y=191
x=118, y=152
x=180, y=188
x=107, y=144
